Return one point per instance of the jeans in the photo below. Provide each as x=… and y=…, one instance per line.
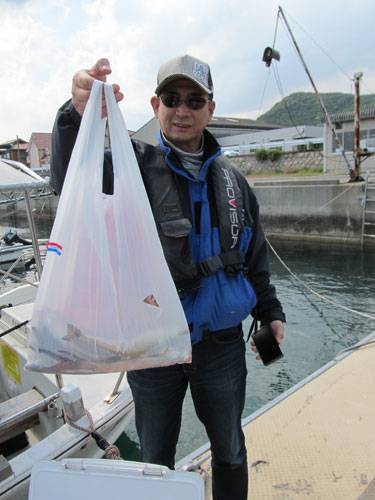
x=217, y=378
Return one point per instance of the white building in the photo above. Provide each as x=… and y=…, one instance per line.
x=298, y=138
x=344, y=125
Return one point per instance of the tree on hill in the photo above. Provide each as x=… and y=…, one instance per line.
x=302, y=108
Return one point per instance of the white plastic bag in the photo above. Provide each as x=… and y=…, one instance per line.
x=106, y=301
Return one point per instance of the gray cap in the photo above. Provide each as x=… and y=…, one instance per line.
x=185, y=67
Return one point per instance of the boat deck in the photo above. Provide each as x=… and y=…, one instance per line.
x=318, y=441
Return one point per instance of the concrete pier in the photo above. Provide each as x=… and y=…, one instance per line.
x=319, y=208
x=313, y=208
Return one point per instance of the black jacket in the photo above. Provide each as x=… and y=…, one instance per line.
x=268, y=307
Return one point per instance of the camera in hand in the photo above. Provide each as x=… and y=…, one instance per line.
x=267, y=345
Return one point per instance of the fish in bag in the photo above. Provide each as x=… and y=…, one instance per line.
x=106, y=300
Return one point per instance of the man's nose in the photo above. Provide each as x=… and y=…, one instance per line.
x=182, y=108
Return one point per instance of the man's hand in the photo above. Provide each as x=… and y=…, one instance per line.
x=277, y=327
x=83, y=81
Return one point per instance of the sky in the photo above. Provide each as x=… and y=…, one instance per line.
x=42, y=45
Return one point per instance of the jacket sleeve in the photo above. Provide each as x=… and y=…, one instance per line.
x=64, y=136
x=268, y=306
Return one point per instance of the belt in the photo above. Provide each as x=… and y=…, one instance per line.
x=226, y=336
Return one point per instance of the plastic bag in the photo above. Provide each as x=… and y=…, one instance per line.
x=106, y=300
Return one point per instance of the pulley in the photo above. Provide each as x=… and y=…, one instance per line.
x=269, y=54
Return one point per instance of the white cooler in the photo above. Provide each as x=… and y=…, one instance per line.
x=99, y=479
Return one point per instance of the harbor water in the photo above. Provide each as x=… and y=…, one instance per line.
x=316, y=330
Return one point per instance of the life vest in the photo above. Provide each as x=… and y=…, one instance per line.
x=170, y=204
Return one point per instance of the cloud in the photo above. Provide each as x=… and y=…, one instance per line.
x=42, y=44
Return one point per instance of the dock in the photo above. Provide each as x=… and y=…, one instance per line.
x=317, y=440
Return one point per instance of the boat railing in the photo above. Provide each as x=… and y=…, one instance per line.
x=16, y=196
x=22, y=412
x=24, y=258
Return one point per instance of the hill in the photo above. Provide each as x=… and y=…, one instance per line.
x=304, y=108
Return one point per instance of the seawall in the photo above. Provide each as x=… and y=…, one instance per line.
x=311, y=209
x=319, y=208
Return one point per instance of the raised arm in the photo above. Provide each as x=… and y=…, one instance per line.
x=82, y=84
x=68, y=120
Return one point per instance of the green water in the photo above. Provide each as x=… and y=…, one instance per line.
x=316, y=331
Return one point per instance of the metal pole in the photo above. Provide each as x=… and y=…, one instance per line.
x=59, y=380
x=18, y=148
x=38, y=260
x=115, y=391
x=357, y=149
x=328, y=118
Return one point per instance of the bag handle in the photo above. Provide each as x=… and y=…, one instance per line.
x=121, y=145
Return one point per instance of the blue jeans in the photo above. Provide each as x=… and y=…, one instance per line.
x=217, y=378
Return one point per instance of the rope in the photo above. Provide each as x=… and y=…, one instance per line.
x=325, y=204
x=111, y=451
x=269, y=69
x=13, y=327
x=282, y=94
x=320, y=47
x=322, y=297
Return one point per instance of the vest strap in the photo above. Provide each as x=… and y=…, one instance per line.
x=231, y=261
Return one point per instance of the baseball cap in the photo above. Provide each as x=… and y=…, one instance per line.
x=185, y=67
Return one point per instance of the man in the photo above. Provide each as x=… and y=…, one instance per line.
x=207, y=219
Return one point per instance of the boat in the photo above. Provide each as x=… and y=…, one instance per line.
x=37, y=420
x=14, y=249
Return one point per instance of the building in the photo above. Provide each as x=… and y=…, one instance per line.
x=39, y=151
x=300, y=138
x=15, y=149
x=218, y=126
x=344, y=126
x=230, y=126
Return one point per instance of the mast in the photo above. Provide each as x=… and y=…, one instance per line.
x=322, y=105
x=357, y=148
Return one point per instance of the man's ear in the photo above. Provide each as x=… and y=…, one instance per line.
x=211, y=107
x=155, y=103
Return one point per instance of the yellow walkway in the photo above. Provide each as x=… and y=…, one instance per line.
x=319, y=442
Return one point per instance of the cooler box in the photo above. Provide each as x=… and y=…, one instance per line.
x=99, y=479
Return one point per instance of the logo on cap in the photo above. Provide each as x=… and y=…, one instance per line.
x=200, y=71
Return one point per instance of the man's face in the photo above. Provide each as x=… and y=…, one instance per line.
x=181, y=125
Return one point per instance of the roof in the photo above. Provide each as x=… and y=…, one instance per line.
x=16, y=176
x=42, y=140
x=285, y=134
x=348, y=116
x=13, y=143
x=233, y=122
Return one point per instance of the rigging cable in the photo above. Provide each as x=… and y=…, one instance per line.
x=280, y=87
x=318, y=96
x=269, y=69
x=325, y=204
x=320, y=47
x=322, y=297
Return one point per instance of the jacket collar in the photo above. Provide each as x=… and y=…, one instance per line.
x=211, y=151
x=211, y=146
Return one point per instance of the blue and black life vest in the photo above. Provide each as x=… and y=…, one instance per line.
x=171, y=208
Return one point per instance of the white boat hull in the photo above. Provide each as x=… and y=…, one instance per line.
x=52, y=439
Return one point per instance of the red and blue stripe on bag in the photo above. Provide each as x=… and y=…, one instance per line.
x=54, y=247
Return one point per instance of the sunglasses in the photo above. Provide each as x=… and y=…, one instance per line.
x=174, y=101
